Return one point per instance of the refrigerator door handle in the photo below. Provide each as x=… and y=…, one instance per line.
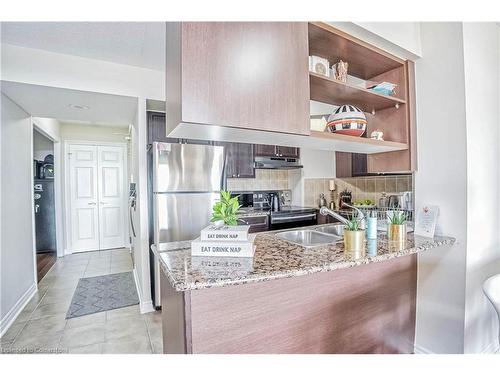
x=223, y=180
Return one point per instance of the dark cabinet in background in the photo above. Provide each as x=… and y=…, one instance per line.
x=350, y=164
x=265, y=150
x=157, y=131
x=157, y=128
x=239, y=160
x=280, y=151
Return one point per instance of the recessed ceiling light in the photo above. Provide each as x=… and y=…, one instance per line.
x=78, y=106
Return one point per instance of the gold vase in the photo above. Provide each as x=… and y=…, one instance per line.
x=396, y=232
x=354, y=241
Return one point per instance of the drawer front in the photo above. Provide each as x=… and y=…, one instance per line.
x=257, y=223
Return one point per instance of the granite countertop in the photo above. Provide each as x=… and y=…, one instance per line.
x=275, y=258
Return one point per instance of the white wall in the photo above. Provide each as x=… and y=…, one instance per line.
x=28, y=65
x=402, y=39
x=17, y=248
x=84, y=132
x=482, y=63
x=441, y=180
x=42, y=146
x=48, y=126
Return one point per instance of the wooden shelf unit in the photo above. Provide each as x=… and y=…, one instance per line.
x=331, y=91
x=394, y=115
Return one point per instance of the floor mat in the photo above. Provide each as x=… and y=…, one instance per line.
x=101, y=293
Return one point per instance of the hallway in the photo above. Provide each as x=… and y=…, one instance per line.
x=42, y=326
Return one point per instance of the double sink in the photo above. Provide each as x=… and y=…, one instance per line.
x=316, y=236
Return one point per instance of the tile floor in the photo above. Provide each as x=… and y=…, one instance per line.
x=42, y=325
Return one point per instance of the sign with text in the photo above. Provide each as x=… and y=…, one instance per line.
x=426, y=219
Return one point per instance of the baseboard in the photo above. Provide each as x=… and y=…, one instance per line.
x=421, y=350
x=493, y=347
x=13, y=313
x=144, y=306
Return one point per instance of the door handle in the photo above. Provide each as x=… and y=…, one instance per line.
x=104, y=202
x=91, y=203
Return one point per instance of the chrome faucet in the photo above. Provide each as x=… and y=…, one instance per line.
x=361, y=216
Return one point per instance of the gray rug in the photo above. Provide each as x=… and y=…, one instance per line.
x=101, y=293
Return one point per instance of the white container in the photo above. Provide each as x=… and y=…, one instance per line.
x=371, y=227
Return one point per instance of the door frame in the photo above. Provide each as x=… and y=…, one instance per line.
x=67, y=201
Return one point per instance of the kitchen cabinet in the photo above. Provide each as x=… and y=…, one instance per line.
x=281, y=151
x=239, y=160
x=157, y=131
x=157, y=128
x=265, y=150
x=251, y=75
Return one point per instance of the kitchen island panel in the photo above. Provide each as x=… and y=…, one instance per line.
x=366, y=309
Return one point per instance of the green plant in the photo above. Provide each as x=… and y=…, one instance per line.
x=354, y=223
x=226, y=209
x=398, y=218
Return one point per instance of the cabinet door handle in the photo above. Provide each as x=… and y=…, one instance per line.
x=91, y=203
x=104, y=202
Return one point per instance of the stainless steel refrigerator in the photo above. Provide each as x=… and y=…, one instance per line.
x=185, y=180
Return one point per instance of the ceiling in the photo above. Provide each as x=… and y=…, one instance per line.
x=139, y=44
x=57, y=103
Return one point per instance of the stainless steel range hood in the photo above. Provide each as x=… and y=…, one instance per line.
x=276, y=162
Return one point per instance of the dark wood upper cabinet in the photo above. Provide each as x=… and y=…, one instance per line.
x=251, y=75
x=288, y=152
x=265, y=150
x=239, y=160
x=281, y=151
x=157, y=128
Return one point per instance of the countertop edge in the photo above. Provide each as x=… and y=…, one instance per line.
x=183, y=287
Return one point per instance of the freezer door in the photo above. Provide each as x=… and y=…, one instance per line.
x=187, y=167
x=181, y=216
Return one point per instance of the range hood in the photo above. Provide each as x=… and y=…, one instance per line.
x=276, y=162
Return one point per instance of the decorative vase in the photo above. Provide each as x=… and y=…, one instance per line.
x=347, y=120
x=354, y=241
x=396, y=232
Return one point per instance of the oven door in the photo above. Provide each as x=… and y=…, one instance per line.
x=293, y=221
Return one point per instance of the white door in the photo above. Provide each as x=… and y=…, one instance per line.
x=97, y=197
x=83, y=198
x=112, y=211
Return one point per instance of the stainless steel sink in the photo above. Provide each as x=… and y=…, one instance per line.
x=335, y=229
x=307, y=237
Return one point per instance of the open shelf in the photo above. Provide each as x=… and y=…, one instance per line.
x=331, y=91
x=317, y=140
x=365, y=61
x=348, y=143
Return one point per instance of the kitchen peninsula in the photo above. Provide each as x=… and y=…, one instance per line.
x=292, y=299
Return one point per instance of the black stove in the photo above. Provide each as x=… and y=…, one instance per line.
x=286, y=216
x=293, y=216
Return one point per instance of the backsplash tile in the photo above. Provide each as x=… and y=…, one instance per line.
x=265, y=179
x=361, y=187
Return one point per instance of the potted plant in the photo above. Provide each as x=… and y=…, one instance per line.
x=225, y=211
x=396, y=230
x=354, y=236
